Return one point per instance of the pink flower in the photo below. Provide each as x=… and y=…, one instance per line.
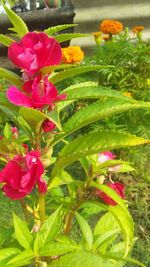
x=48, y=126
x=34, y=51
x=21, y=174
x=38, y=93
x=104, y=156
x=118, y=187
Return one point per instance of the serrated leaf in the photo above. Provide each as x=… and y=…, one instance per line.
x=11, y=77
x=84, y=259
x=104, y=238
x=19, y=26
x=58, y=28
x=100, y=110
x=22, y=232
x=95, y=142
x=8, y=252
x=33, y=117
x=127, y=226
x=47, y=231
x=62, y=75
x=69, y=36
x=49, y=69
x=5, y=40
x=86, y=230
x=23, y=257
x=57, y=249
x=92, y=91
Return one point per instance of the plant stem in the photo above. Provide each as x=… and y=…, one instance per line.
x=42, y=208
x=23, y=205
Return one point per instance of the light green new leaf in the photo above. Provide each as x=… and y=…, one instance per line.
x=5, y=40
x=84, y=259
x=19, y=26
x=62, y=75
x=100, y=110
x=94, y=142
x=58, y=28
x=22, y=259
x=7, y=253
x=105, y=238
x=11, y=77
x=62, y=177
x=22, y=232
x=69, y=36
x=127, y=226
x=33, y=117
x=7, y=131
x=57, y=249
x=47, y=231
x=106, y=223
x=86, y=230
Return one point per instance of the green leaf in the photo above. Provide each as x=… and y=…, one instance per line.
x=104, y=238
x=99, y=110
x=69, y=36
x=94, y=142
x=92, y=91
x=62, y=177
x=58, y=28
x=22, y=232
x=84, y=259
x=126, y=223
x=49, y=69
x=54, y=117
x=62, y=75
x=106, y=223
x=57, y=249
x=5, y=40
x=8, y=252
x=47, y=231
x=11, y=77
x=86, y=230
x=5, y=234
x=22, y=259
x=33, y=117
x=7, y=131
x=19, y=26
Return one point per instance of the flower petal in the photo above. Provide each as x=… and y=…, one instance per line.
x=18, y=98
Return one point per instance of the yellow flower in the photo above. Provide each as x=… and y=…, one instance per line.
x=105, y=37
x=111, y=26
x=128, y=94
x=137, y=29
x=97, y=34
x=72, y=54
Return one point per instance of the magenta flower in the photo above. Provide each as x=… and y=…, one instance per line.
x=104, y=156
x=22, y=174
x=37, y=93
x=48, y=126
x=34, y=51
x=118, y=187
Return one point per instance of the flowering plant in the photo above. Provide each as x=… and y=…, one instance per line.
x=36, y=157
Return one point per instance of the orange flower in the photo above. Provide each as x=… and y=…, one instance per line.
x=72, y=54
x=111, y=26
x=137, y=29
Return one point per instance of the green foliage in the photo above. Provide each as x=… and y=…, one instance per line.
x=69, y=36
x=11, y=77
x=19, y=26
x=58, y=28
x=5, y=40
